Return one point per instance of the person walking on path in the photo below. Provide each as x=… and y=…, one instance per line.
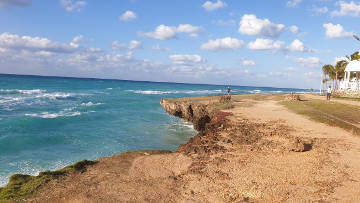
x=228, y=91
x=328, y=95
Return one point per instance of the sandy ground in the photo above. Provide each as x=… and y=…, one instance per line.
x=263, y=153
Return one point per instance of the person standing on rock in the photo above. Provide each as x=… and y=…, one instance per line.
x=328, y=95
x=228, y=90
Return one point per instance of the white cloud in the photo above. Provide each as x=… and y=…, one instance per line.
x=266, y=44
x=116, y=45
x=293, y=3
x=294, y=29
x=313, y=75
x=78, y=39
x=37, y=44
x=347, y=9
x=135, y=45
x=227, y=43
x=211, y=6
x=127, y=16
x=163, y=32
x=69, y=5
x=21, y=3
x=245, y=62
x=187, y=28
x=336, y=31
x=158, y=48
x=185, y=59
x=298, y=45
x=279, y=74
x=290, y=69
x=251, y=25
x=224, y=22
x=319, y=10
x=310, y=62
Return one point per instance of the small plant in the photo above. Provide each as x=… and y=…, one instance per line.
x=21, y=186
x=223, y=103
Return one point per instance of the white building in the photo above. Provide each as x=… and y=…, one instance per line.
x=351, y=79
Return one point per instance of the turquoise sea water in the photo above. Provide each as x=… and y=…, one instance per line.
x=50, y=122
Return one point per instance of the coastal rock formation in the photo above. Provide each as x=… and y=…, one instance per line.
x=197, y=114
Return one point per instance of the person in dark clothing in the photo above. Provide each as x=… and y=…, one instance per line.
x=228, y=90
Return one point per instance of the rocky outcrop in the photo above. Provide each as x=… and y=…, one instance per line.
x=208, y=122
x=195, y=113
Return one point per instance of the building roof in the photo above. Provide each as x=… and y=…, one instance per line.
x=353, y=66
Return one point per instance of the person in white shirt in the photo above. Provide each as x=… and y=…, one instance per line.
x=328, y=95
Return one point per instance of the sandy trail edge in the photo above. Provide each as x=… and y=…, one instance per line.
x=348, y=146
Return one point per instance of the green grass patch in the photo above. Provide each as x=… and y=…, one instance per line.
x=222, y=105
x=347, y=98
x=21, y=186
x=332, y=113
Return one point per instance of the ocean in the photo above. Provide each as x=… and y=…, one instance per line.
x=47, y=123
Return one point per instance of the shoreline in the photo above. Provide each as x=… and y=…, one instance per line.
x=219, y=154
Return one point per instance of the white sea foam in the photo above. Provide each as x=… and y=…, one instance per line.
x=55, y=95
x=156, y=92
x=91, y=104
x=34, y=91
x=109, y=88
x=54, y=115
x=255, y=91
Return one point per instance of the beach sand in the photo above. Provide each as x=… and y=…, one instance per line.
x=257, y=151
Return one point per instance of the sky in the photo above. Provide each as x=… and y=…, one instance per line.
x=278, y=43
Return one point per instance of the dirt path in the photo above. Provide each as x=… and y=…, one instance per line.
x=343, y=101
x=346, y=150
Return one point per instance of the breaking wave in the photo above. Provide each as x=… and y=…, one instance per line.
x=91, y=104
x=156, y=92
x=54, y=115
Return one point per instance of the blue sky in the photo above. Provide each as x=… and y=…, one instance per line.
x=247, y=42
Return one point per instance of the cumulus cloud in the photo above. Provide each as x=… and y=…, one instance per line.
x=158, y=48
x=245, y=62
x=185, y=59
x=319, y=10
x=78, y=39
x=251, y=25
x=310, y=62
x=37, y=44
x=294, y=29
x=20, y=3
x=163, y=32
x=227, y=43
x=299, y=46
x=266, y=44
x=293, y=3
x=116, y=45
x=69, y=5
x=211, y=6
x=336, y=31
x=128, y=16
x=347, y=9
x=135, y=45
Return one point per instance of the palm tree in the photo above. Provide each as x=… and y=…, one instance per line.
x=355, y=56
x=327, y=71
x=339, y=71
